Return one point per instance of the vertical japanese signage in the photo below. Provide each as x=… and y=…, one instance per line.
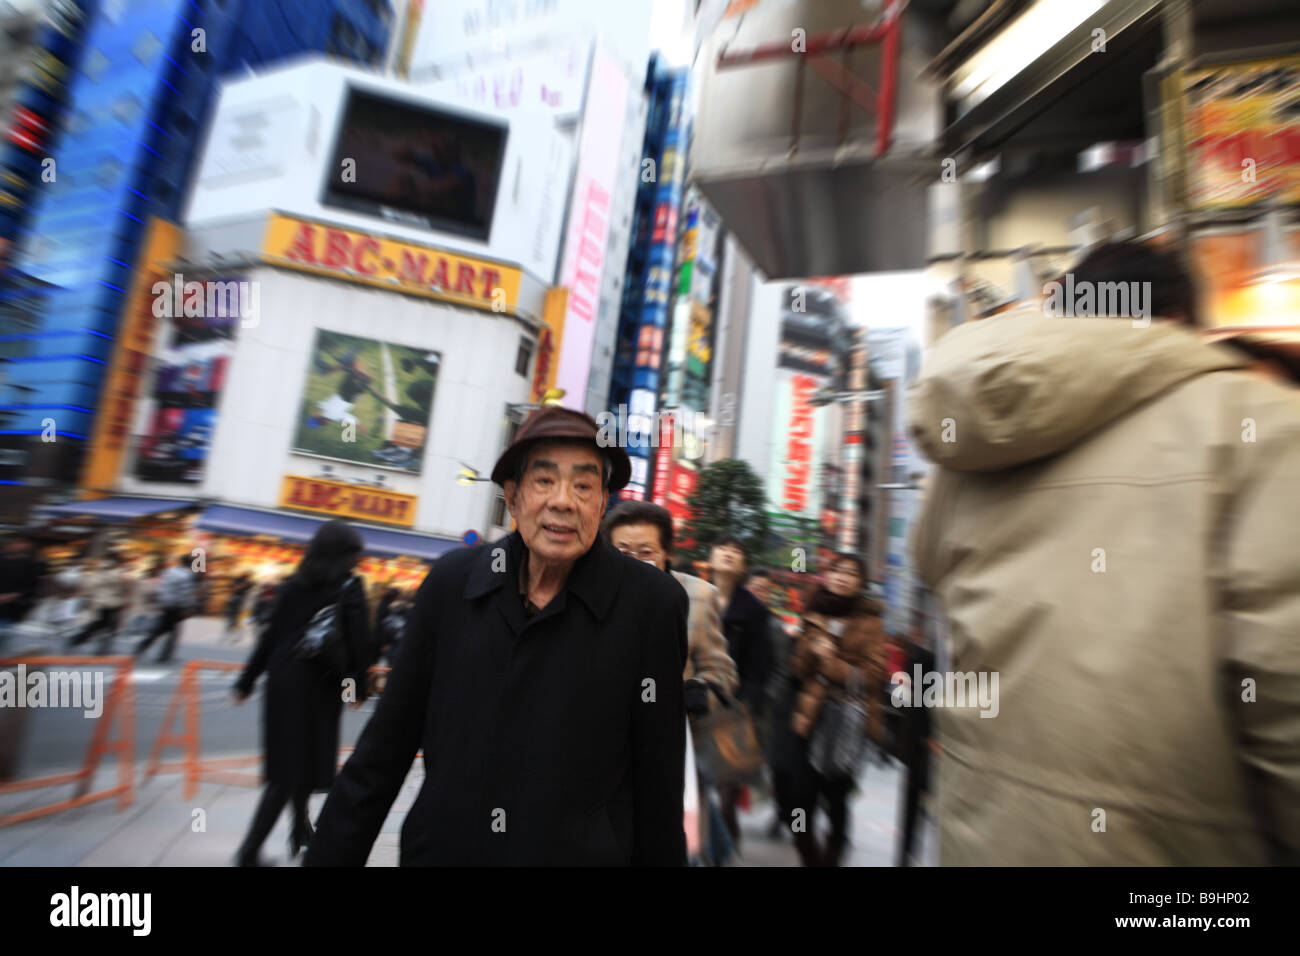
x=680, y=488
x=584, y=247
x=663, y=459
x=659, y=271
x=796, y=440
x=548, y=341
x=124, y=383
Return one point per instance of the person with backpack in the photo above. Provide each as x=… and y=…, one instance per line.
x=177, y=596
x=316, y=641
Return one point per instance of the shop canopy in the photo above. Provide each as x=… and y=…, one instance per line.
x=117, y=509
x=226, y=519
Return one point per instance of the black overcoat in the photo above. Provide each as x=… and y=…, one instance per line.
x=555, y=740
x=300, y=714
x=746, y=624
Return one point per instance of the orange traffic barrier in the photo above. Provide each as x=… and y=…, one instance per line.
x=119, y=706
x=185, y=702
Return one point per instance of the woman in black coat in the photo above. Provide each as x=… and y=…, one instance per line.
x=300, y=721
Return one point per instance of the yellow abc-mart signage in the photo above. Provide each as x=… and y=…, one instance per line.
x=347, y=501
x=391, y=264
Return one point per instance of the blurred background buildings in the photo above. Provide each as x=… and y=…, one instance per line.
x=415, y=219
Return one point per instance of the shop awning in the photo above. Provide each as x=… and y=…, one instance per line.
x=227, y=519
x=117, y=509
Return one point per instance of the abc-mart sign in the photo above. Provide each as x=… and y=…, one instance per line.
x=387, y=263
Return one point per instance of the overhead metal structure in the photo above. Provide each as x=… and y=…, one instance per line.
x=823, y=177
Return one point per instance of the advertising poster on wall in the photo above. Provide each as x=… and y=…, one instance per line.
x=367, y=402
x=1241, y=131
x=190, y=375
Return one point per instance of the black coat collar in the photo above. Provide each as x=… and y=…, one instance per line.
x=594, y=579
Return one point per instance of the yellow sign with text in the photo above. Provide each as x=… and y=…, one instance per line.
x=342, y=500
x=129, y=365
x=391, y=264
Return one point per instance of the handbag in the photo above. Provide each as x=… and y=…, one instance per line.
x=726, y=746
x=838, y=745
x=322, y=640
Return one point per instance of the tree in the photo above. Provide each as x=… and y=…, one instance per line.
x=728, y=499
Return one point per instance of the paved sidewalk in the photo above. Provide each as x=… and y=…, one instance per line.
x=161, y=828
x=873, y=818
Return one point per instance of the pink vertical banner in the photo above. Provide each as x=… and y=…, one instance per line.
x=584, y=246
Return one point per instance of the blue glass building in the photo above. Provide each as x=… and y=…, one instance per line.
x=139, y=86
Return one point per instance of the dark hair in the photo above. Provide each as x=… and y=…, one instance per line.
x=641, y=512
x=1173, y=293
x=761, y=573
x=858, y=564
x=731, y=541
x=331, y=555
x=183, y=561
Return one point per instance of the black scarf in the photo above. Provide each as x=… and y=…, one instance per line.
x=832, y=605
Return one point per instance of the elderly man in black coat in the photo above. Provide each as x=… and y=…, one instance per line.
x=541, y=674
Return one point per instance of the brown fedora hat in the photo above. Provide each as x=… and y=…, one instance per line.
x=556, y=423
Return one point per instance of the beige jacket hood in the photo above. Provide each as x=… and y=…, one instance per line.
x=1011, y=389
x=1114, y=533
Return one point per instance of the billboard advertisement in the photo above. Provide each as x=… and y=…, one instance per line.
x=416, y=165
x=189, y=377
x=1242, y=130
x=366, y=402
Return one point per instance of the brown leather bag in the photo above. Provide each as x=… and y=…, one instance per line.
x=726, y=745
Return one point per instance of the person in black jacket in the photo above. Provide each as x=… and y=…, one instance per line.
x=300, y=720
x=541, y=674
x=747, y=625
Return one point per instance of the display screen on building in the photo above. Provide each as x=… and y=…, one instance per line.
x=366, y=402
x=416, y=165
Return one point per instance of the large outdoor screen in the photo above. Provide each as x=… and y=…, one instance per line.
x=416, y=165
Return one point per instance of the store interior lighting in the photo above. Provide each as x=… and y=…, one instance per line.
x=1277, y=263
x=1023, y=41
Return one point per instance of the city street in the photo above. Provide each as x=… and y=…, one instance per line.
x=158, y=829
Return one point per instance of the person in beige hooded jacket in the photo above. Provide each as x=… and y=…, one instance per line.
x=1115, y=530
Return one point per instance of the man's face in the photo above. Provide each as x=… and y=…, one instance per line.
x=560, y=500
x=641, y=541
x=759, y=588
x=727, y=559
